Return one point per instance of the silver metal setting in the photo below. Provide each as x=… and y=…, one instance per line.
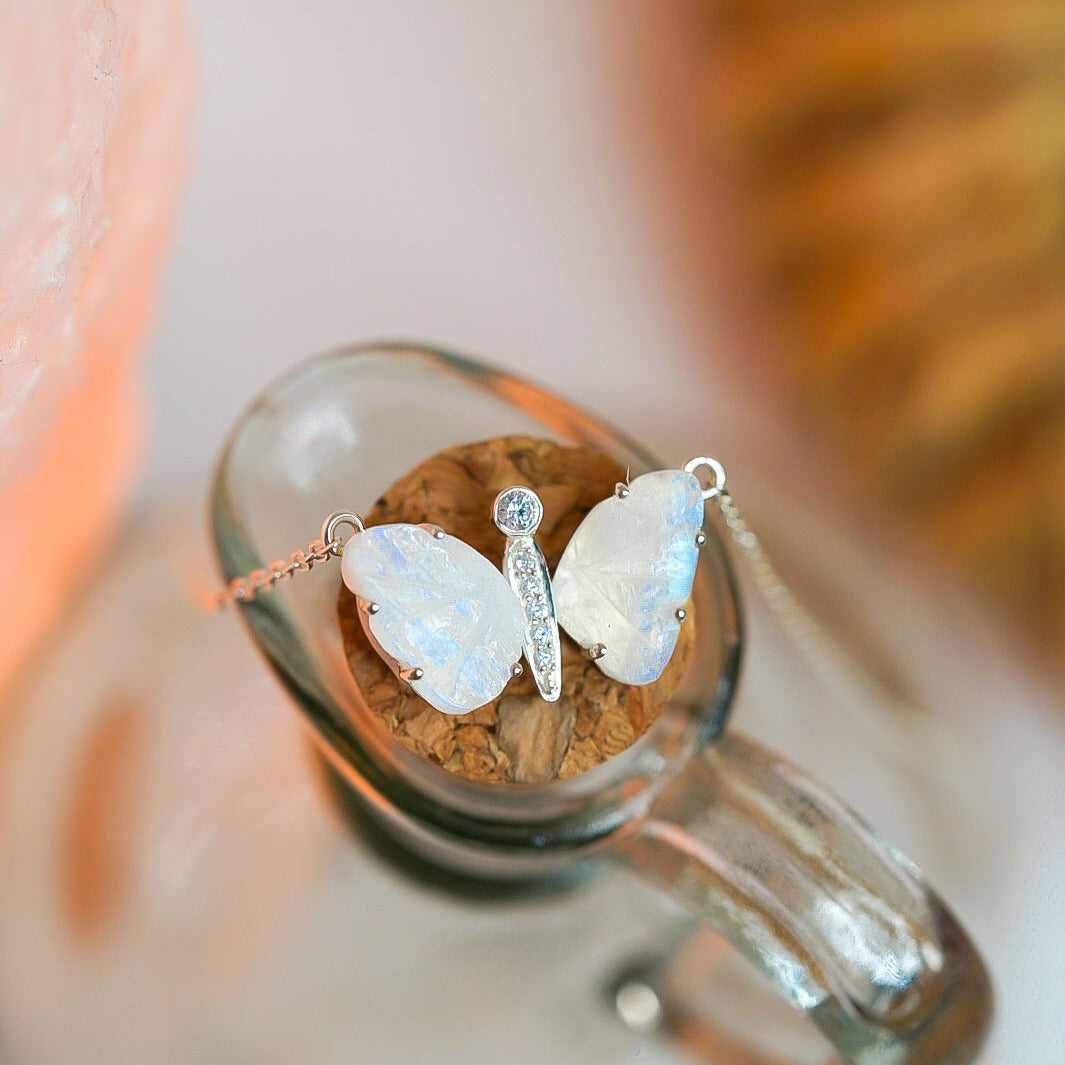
x=621, y=490
x=411, y=674
x=595, y=652
x=517, y=512
x=700, y=538
x=680, y=613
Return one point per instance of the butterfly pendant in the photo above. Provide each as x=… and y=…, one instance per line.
x=455, y=628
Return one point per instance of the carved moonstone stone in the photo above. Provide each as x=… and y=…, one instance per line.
x=628, y=570
x=442, y=608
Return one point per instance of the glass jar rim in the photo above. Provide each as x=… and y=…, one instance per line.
x=395, y=782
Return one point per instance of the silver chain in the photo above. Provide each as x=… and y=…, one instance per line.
x=796, y=621
x=329, y=545
x=837, y=668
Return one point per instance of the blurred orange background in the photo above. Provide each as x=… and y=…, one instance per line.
x=864, y=207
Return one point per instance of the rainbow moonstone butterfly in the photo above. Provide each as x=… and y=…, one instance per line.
x=455, y=627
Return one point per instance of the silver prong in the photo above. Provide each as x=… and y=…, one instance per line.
x=596, y=651
x=435, y=530
x=700, y=538
x=412, y=674
x=368, y=606
x=681, y=613
x=517, y=669
x=621, y=490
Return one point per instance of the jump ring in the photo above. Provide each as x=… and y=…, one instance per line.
x=333, y=523
x=717, y=486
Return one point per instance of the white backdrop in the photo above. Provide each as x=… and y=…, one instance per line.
x=452, y=173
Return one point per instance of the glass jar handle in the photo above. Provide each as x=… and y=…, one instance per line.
x=844, y=926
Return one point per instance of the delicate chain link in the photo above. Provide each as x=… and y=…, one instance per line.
x=834, y=665
x=830, y=661
x=245, y=589
x=328, y=545
x=793, y=617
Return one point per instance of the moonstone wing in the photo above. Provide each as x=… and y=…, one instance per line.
x=627, y=570
x=443, y=608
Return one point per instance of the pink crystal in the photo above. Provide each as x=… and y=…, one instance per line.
x=94, y=108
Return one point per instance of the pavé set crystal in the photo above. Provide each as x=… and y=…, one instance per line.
x=517, y=513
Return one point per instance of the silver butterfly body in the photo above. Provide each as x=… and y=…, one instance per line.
x=450, y=623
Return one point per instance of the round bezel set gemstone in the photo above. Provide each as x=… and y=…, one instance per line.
x=518, y=511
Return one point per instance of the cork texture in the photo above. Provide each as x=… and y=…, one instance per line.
x=518, y=737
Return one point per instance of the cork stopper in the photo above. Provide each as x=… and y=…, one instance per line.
x=518, y=737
